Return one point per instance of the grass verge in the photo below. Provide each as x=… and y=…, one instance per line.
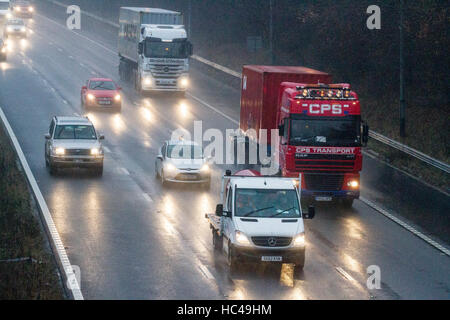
x=22, y=236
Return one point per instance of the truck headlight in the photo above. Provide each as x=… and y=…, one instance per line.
x=148, y=81
x=117, y=97
x=184, y=82
x=353, y=184
x=59, y=151
x=299, y=240
x=96, y=151
x=242, y=239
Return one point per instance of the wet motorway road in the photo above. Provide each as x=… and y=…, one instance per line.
x=135, y=240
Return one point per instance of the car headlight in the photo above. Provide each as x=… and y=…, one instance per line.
x=242, y=239
x=299, y=240
x=8, y=15
x=353, y=184
x=205, y=168
x=9, y=29
x=90, y=96
x=117, y=97
x=184, y=82
x=170, y=167
x=96, y=151
x=59, y=151
x=23, y=29
x=30, y=9
x=3, y=50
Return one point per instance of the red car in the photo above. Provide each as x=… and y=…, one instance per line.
x=101, y=93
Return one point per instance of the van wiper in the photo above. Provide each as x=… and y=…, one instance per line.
x=255, y=211
x=278, y=213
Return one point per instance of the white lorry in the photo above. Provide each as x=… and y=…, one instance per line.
x=259, y=220
x=154, y=50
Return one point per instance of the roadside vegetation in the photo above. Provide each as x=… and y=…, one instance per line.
x=27, y=267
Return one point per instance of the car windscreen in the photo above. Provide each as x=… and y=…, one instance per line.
x=158, y=49
x=82, y=132
x=15, y=23
x=264, y=203
x=102, y=85
x=179, y=151
x=326, y=132
x=4, y=5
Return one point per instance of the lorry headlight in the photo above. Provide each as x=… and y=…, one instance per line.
x=184, y=82
x=148, y=81
x=353, y=184
x=299, y=240
x=60, y=151
x=117, y=97
x=242, y=239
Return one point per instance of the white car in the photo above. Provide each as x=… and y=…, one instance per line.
x=182, y=161
x=15, y=27
x=5, y=12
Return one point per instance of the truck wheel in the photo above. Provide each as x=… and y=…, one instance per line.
x=232, y=260
x=347, y=203
x=217, y=241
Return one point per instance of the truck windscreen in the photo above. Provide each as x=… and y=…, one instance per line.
x=326, y=132
x=156, y=49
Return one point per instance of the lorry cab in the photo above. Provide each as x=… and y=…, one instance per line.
x=261, y=220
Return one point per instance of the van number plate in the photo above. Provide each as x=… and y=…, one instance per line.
x=323, y=198
x=272, y=258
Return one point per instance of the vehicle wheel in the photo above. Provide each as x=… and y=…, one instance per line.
x=232, y=260
x=98, y=171
x=156, y=172
x=347, y=203
x=163, y=180
x=46, y=162
x=217, y=241
x=52, y=169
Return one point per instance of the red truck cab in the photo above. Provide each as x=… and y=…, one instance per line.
x=319, y=126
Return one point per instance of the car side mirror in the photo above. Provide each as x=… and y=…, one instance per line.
x=140, y=48
x=47, y=136
x=219, y=210
x=311, y=213
x=365, y=133
x=101, y=137
x=281, y=130
x=160, y=157
x=83, y=88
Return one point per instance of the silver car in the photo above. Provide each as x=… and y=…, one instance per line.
x=182, y=161
x=73, y=142
x=15, y=28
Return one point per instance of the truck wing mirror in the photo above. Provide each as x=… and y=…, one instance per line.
x=281, y=130
x=219, y=210
x=311, y=213
x=140, y=47
x=365, y=134
x=83, y=88
x=190, y=49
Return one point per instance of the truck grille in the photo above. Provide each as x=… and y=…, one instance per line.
x=324, y=162
x=324, y=182
x=272, y=241
x=166, y=71
x=78, y=152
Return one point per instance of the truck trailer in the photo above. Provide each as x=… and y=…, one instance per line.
x=319, y=124
x=154, y=49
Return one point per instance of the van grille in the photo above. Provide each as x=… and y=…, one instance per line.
x=272, y=241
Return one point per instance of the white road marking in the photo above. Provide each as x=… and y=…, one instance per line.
x=345, y=274
x=65, y=101
x=60, y=50
x=205, y=271
x=55, y=239
x=76, y=114
x=106, y=149
x=147, y=197
x=406, y=226
x=212, y=108
x=70, y=57
x=125, y=171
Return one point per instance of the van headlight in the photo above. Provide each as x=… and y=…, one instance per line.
x=242, y=239
x=299, y=240
x=96, y=151
x=148, y=81
x=205, y=168
x=170, y=167
x=59, y=151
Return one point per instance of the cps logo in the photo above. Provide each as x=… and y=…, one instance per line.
x=326, y=108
